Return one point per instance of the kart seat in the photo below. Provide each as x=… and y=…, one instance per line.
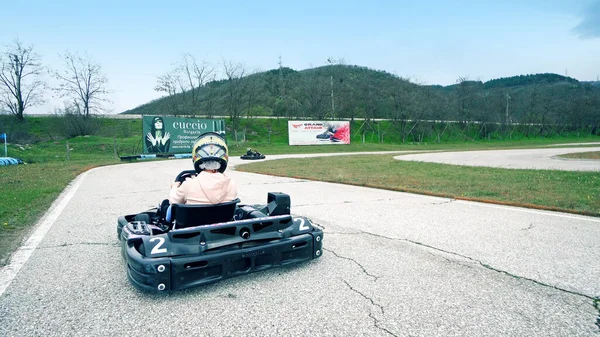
x=186, y=215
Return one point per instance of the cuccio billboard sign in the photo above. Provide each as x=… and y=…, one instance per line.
x=163, y=134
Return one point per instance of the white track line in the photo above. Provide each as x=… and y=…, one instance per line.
x=20, y=257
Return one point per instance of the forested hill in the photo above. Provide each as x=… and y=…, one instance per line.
x=342, y=91
x=594, y=83
x=522, y=80
x=516, y=81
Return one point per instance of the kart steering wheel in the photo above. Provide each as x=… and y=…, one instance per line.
x=183, y=175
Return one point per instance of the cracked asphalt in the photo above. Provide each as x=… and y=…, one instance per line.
x=394, y=264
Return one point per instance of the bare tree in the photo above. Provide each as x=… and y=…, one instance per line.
x=83, y=82
x=236, y=90
x=314, y=93
x=401, y=94
x=20, y=86
x=407, y=111
x=595, y=114
x=210, y=102
x=167, y=83
x=196, y=74
x=255, y=86
x=336, y=67
x=466, y=92
x=182, y=83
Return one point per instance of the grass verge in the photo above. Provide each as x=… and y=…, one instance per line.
x=574, y=192
x=582, y=155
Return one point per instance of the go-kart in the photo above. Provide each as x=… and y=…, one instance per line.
x=252, y=155
x=173, y=247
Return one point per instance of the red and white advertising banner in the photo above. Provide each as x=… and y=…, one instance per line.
x=318, y=133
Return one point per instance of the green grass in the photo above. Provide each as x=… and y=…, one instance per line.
x=575, y=192
x=582, y=155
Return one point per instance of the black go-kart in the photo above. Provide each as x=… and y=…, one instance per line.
x=190, y=245
x=252, y=155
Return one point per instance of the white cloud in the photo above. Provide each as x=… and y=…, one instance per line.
x=589, y=27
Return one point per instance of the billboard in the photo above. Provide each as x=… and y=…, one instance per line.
x=318, y=133
x=164, y=134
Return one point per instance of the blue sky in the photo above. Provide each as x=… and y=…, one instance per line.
x=429, y=41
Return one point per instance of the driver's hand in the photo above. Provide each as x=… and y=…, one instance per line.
x=175, y=184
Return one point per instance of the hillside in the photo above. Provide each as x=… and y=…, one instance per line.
x=349, y=92
x=282, y=91
x=593, y=83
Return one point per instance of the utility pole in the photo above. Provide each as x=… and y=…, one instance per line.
x=507, y=98
x=282, y=82
x=332, y=101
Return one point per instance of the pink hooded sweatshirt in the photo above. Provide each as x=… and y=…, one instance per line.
x=205, y=188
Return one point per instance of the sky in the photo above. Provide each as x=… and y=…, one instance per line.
x=428, y=41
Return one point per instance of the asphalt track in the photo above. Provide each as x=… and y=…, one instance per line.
x=540, y=159
x=395, y=264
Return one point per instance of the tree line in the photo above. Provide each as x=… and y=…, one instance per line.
x=535, y=105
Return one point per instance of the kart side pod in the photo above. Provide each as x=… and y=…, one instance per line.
x=278, y=203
